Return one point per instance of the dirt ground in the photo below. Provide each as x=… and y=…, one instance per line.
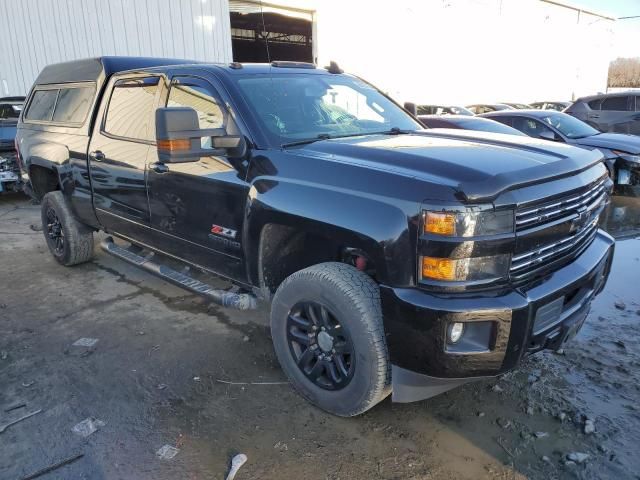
x=157, y=374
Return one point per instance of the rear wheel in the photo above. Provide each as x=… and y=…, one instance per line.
x=69, y=241
x=326, y=324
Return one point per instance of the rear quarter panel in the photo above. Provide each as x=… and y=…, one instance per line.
x=64, y=151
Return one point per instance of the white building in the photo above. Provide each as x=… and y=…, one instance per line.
x=439, y=51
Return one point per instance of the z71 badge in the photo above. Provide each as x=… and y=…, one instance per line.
x=224, y=238
x=223, y=231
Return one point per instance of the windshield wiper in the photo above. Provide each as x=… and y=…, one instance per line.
x=322, y=136
x=326, y=136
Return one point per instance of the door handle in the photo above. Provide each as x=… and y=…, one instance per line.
x=159, y=167
x=98, y=156
x=594, y=116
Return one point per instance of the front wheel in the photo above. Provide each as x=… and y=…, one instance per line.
x=69, y=241
x=326, y=324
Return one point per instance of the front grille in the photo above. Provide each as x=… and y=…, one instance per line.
x=587, y=200
x=530, y=260
x=576, y=214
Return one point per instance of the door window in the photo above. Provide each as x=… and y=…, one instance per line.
x=41, y=106
x=202, y=97
x=132, y=108
x=199, y=95
x=637, y=99
x=595, y=104
x=619, y=104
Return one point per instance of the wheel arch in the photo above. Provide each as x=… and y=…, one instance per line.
x=46, y=165
x=291, y=227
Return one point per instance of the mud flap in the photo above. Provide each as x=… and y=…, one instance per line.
x=410, y=386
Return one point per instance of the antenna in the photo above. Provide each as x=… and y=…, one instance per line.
x=264, y=29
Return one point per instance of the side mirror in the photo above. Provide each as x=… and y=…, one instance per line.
x=411, y=108
x=179, y=137
x=548, y=135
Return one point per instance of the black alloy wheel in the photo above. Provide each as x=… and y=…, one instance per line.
x=55, y=232
x=320, y=345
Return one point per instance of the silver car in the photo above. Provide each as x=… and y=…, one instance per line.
x=613, y=112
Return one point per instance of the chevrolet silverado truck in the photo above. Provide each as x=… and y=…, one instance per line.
x=395, y=259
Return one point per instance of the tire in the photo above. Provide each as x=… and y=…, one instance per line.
x=351, y=300
x=69, y=241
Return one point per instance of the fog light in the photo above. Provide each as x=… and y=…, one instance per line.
x=455, y=332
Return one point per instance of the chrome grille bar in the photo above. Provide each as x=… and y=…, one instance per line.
x=539, y=255
x=589, y=199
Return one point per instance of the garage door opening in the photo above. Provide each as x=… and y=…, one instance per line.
x=262, y=33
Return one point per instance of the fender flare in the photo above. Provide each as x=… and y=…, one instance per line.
x=360, y=221
x=53, y=157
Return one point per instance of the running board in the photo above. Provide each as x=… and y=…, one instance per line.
x=239, y=301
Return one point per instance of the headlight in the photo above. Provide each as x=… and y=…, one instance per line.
x=453, y=260
x=465, y=269
x=468, y=223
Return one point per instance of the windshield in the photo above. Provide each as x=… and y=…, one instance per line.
x=569, y=126
x=297, y=107
x=461, y=111
x=489, y=126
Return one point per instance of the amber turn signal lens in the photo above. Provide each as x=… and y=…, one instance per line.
x=174, y=145
x=438, y=268
x=440, y=223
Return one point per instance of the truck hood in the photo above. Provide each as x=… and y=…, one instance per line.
x=613, y=141
x=476, y=165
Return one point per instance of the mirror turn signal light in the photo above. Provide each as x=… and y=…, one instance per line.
x=438, y=268
x=175, y=145
x=440, y=223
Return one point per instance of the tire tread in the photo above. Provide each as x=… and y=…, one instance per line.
x=78, y=237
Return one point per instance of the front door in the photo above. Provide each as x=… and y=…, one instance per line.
x=118, y=152
x=198, y=207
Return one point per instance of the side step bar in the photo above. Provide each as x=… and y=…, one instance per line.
x=239, y=301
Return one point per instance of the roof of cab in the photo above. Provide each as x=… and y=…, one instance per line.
x=99, y=68
x=92, y=69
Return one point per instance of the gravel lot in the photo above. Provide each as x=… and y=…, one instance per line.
x=157, y=376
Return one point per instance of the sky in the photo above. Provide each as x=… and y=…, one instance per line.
x=627, y=32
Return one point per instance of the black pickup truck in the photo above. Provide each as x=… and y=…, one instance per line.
x=394, y=258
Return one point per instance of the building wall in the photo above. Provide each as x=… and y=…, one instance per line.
x=36, y=33
x=441, y=51
x=467, y=51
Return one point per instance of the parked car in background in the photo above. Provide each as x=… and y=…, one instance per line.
x=558, y=106
x=479, y=108
x=518, y=106
x=443, y=110
x=10, y=108
x=621, y=151
x=467, y=123
x=613, y=112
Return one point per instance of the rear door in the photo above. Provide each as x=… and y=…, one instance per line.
x=198, y=208
x=118, y=150
x=616, y=114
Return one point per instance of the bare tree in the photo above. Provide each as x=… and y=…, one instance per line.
x=624, y=72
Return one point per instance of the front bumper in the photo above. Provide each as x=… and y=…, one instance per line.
x=523, y=320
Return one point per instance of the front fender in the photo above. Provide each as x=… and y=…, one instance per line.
x=385, y=230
